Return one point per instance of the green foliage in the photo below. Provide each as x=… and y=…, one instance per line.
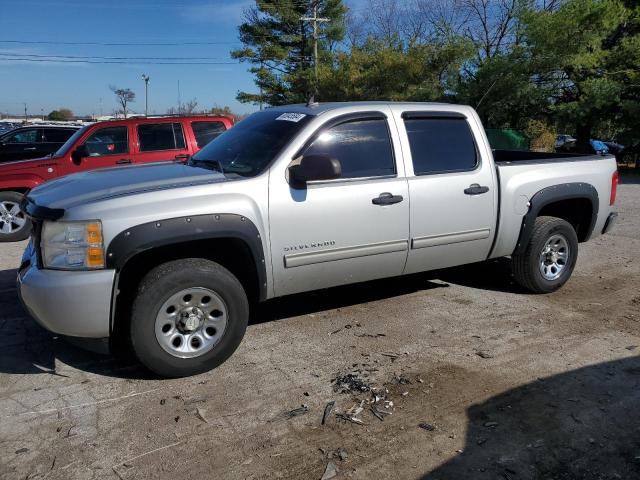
x=576, y=55
x=380, y=70
x=60, y=115
x=279, y=47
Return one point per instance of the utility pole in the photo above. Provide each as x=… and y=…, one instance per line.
x=261, y=66
x=315, y=21
x=146, y=94
x=26, y=118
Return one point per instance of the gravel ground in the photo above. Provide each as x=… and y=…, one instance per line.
x=487, y=382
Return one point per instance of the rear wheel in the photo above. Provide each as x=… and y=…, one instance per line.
x=14, y=225
x=549, y=257
x=189, y=316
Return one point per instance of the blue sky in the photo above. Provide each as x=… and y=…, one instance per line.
x=46, y=86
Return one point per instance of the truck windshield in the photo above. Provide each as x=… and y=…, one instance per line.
x=250, y=146
x=69, y=143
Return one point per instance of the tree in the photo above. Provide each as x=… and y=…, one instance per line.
x=278, y=46
x=62, y=114
x=124, y=96
x=586, y=58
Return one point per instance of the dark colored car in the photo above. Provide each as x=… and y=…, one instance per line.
x=33, y=141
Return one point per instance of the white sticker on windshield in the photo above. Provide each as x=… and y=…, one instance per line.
x=291, y=117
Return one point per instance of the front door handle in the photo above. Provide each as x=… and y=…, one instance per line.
x=123, y=161
x=182, y=156
x=30, y=148
x=387, y=198
x=476, y=189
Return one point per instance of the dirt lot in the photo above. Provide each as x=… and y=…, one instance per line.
x=507, y=385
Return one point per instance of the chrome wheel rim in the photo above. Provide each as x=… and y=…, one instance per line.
x=191, y=322
x=554, y=257
x=11, y=218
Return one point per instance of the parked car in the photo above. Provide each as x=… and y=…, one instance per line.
x=294, y=199
x=7, y=127
x=564, y=139
x=100, y=145
x=33, y=141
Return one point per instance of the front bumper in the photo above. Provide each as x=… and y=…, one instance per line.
x=611, y=220
x=71, y=303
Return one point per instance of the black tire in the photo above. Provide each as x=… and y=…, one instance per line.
x=168, y=279
x=526, y=265
x=17, y=233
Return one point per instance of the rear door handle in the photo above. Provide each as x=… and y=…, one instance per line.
x=476, y=189
x=387, y=198
x=182, y=156
x=123, y=161
x=30, y=148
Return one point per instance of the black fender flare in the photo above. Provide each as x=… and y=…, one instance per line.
x=552, y=194
x=162, y=233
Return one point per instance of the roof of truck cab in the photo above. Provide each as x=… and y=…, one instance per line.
x=318, y=108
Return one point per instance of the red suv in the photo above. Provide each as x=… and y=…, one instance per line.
x=101, y=145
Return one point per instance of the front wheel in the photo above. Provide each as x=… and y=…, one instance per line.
x=14, y=225
x=549, y=257
x=189, y=316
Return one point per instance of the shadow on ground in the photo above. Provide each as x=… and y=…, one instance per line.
x=584, y=424
x=27, y=348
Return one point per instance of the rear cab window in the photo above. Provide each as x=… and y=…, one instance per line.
x=362, y=146
x=440, y=143
x=160, y=136
x=205, y=131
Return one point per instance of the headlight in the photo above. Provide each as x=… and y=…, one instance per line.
x=72, y=245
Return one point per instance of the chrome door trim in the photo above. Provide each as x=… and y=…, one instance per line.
x=344, y=253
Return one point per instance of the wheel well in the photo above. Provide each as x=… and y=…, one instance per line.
x=577, y=211
x=232, y=253
x=18, y=190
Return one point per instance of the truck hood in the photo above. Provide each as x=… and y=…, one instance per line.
x=95, y=185
x=17, y=166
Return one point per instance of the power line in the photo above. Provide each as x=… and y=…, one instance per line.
x=53, y=60
x=117, y=44
x=96, y=57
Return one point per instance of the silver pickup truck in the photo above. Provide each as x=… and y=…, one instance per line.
x=293, y=199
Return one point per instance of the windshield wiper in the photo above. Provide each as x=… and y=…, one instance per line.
x=207, y=164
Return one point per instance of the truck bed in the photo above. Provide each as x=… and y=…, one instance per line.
x=519, y=179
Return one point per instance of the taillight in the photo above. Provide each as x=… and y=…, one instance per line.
x=614, y=187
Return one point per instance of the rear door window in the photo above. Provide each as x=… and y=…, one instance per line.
x=108, y=141
x=57, y=135
x=363, y=148
x=206, y=131
x=160, y=136
x=440, y=145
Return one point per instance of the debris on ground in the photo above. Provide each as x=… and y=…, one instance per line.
x=483, y=354
x=200, y=415
x=391, y=355
x=369, y=335
x=296, y=412
x=327, y=411
x=344, y=416
x=330, y=472
x=400, y=380
x=350, y=383
x=426, y=426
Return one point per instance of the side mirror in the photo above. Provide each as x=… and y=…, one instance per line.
x=79, y=153
x=315, y=167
